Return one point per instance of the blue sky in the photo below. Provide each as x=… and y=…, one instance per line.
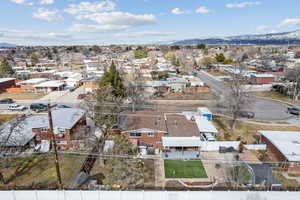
x=57, y=22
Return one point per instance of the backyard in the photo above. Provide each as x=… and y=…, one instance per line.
x=38, y=171
x=247, y=132
x=184, y=169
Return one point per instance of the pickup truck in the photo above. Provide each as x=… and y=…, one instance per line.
x=16, y=107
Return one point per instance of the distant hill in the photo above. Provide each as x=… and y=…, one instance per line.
x=7, y=44
x=285, y=38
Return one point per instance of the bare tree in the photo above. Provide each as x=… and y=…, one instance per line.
x=135, y=91
x=294, y=77
x=237, y=99
x=103, y=108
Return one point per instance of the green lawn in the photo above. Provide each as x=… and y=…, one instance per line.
x=184, y=169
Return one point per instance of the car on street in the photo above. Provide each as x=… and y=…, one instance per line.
x=17, y=107
x=38, y=107
x=62, y=106
x=293, y=110
x=247, y=114
x=6, y=101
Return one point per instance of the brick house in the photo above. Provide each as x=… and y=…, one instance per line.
x=143, y=128
x=90, y=84
x=6, y=83
x=262, y=78
x=285, y=147
x=69, y=124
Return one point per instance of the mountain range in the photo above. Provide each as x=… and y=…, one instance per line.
x=284, y=38
x=7, y=45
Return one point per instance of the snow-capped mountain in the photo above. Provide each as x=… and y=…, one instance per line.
x=260, y=39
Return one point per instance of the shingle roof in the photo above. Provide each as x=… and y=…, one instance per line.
x=179, y=126
x=142, y=120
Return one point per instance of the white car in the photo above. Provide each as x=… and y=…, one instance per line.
x=16, y=107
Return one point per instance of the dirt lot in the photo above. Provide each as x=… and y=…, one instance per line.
x=39, y=170
x=275, y=95
x=21, y=95
x=187, y=96
x=246, y=132
x=216, y=72
x=6, y=118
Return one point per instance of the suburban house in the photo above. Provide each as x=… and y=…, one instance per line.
x=49, y=86
x=28, y=131
x=143, y=128
x=285, y=147
x=90, y=84
x=262, y=78
x=29, y=84
x=6, y=83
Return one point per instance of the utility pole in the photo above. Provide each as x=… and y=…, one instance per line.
x=53, y=143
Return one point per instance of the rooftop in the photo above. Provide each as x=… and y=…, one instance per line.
x=205, y=126
x=179, y=126
x=6, y=79
x=287, y=142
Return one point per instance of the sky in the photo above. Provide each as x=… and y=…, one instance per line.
x=102, y=22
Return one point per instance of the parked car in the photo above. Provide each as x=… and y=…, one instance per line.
x=16, y=107
x=6, y=101
x=81, y=96
x=38, y=107
x=209, y=137
x=62, y=106
x=293, y=110
x=72, y=89
x=247, y=114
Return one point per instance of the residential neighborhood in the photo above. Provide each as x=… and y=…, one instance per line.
x=196, y=108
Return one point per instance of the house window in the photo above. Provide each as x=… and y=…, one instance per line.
x=43, y=130
x=151, y=134
x=135, y=134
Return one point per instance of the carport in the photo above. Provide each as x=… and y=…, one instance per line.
x=181, y=148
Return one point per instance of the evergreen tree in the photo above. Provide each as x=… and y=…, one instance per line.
x=113, y=78
x=5, y=68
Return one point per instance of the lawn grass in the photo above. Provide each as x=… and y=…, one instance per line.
x=184, y=169
x=22, y=95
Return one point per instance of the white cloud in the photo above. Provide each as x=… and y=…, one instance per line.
x=47, y=2
x=18, y=1
x=48, y=15
x=145, y=34
x=90, y=28
x=243, y=4
x=177, y=11
x=119, y=18
x=90, y=7
x=203, y=10
x=290, y=22
x=262, y=27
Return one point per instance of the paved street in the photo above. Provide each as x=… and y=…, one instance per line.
x=56, y=97
x=264, y=109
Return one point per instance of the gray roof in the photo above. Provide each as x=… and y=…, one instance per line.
x=66, y=117
x=21, y=133
x=263, y=173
